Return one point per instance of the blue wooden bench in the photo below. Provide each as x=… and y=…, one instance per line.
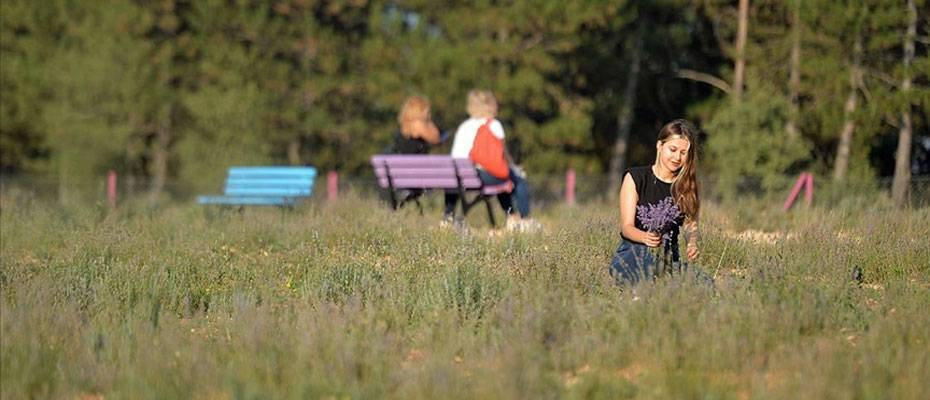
x=264, y=186
x=426, y=172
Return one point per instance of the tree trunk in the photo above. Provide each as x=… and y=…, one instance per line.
x=293, y=151
x=739, y=70
x=625, y=118
x=794, y=79
x=849, y=126
x=160, y=158
x=902, y=165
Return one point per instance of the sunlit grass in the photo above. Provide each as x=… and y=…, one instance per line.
x=352, y=300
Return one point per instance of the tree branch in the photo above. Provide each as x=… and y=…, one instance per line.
x=885, y=78
x=709, y=79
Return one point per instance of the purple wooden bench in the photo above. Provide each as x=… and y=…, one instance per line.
x=425, y=172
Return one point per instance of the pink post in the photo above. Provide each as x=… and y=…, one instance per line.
x=570, y=187
x=111, y=188
x=332, y=186
x=794, y=193
x=809, y=188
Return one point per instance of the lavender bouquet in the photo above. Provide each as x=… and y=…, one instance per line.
x=660, y=218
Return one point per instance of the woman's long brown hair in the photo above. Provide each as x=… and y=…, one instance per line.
x=685, y=185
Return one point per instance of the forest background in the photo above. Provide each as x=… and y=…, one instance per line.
x=176, y=91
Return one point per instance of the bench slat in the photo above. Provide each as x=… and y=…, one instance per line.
x=271, y=182
x=252, y=191
x=468, y=173
x=420, y=161
x=265, y=176
x=465, y=168
x=272, y=172
x=412, y=160
x=247, y=200
x=421, y=183
x=414, y=172
x=448, y=183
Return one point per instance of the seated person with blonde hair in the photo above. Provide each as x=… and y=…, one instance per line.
x=417, y=130
x=482, y=109
x=417, y=134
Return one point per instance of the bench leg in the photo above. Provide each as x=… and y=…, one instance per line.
x=487, y=204
x=467, y=205
x=211, y=213
x=464, y=203
x=394, y=204
x=415, y=197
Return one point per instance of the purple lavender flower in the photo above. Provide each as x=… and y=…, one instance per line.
x=660, y=217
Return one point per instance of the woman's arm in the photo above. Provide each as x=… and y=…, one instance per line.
x=690, y=230
x=628, y=200
x=425, y=129
x=507, y=156
x=498, y=126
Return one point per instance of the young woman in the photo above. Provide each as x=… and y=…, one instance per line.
x=673, y=175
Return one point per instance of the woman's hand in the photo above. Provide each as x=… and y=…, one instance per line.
x=652, y=239
x=690, y=231
x=425, y=129
x=693, y=252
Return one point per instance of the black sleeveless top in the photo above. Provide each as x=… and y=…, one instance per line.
x=652, y=190
x=403, y=145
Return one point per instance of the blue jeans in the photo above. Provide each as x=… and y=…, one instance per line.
x=521, y=192
x=633, y=262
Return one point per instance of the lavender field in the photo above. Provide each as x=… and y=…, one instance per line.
x=353, y=301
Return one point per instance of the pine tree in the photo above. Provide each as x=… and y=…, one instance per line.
x=28, y=31
x=105, y=99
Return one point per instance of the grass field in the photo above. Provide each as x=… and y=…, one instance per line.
x=354, y=301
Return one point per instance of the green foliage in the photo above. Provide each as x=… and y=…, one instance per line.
x=24, y=39
x=747, y=144
x=102, y=90
x=121, y=84
x=220, y=138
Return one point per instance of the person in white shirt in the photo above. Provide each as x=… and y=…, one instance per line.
x=482, y=105
x=465, y=134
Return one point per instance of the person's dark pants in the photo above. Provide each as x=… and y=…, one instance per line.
x=451, y=199
x=521, y=192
